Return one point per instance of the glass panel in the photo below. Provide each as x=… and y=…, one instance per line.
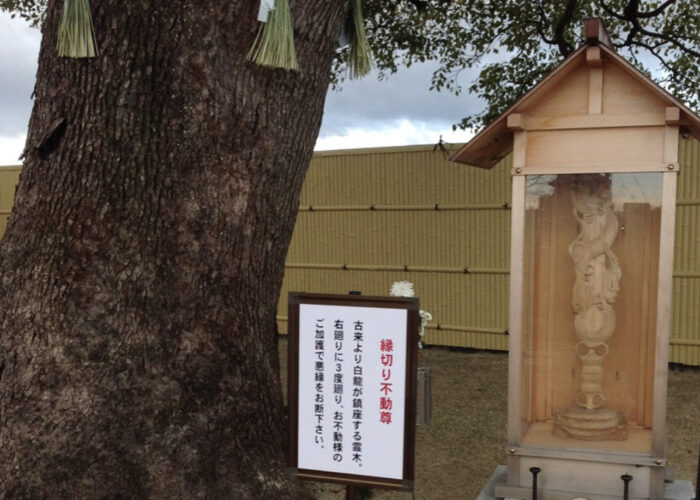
x=590, y=278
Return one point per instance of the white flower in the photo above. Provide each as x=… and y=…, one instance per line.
x=425, y=318
x=402, y=289
x=405, y=289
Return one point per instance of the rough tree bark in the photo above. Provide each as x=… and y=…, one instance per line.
x=141, y=267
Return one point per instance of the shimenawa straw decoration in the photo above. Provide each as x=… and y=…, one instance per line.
x=360, y=61
x=274, y=43
x=76, y=34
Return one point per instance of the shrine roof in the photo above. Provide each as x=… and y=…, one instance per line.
x=495, y=141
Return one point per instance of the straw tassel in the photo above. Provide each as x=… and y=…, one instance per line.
x=360, y=61
x=274, y=43
x=76, y=34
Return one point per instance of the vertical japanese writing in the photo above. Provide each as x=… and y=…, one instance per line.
x=386, y=347
x=338, y=338
x=318, y=378
x=357, y=384
x=351, y=399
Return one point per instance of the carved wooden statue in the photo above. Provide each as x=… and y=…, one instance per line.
x=595, y=290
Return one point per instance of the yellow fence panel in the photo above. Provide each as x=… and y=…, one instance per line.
x=685, y=335
x=371, y=217
x=8, y=180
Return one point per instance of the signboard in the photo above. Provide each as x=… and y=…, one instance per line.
x=352, y=388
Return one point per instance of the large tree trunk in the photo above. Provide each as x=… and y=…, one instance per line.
x=141, y=267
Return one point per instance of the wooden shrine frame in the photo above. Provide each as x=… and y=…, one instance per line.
x=516, y=450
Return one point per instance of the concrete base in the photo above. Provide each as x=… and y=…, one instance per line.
x=674, y=490
x=498, y=477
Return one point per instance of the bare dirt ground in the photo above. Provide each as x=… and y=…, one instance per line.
x=459, y=449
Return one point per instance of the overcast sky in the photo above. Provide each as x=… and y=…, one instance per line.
x=365, y=113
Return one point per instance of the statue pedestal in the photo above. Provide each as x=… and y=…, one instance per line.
x=596, y=424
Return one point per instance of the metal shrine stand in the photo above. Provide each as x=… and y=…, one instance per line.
x=673, y=490
x=351, y=494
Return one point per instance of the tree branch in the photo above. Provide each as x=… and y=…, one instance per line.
x=638, y=27
x=629, y=41
x=632, y=15
x=565, y=47
x=540, y=25
x=664, y=63
x=658, y=10
x=612, y=13
x=418, y=4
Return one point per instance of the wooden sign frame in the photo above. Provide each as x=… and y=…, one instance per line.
x=411, y=305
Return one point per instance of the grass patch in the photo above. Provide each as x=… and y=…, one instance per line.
x=457, y=452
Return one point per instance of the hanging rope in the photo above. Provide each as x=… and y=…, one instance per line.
x=76, y=34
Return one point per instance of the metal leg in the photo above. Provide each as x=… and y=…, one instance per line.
x=697, y=480
x=626, y=478
x=534, y=471
x=350, y=493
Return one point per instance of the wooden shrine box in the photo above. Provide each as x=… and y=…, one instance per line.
x=595, y=164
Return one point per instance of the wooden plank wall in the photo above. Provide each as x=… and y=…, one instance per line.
x=371, y=217
x=685, y=321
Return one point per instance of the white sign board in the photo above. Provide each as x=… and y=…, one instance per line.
x=352, y=363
